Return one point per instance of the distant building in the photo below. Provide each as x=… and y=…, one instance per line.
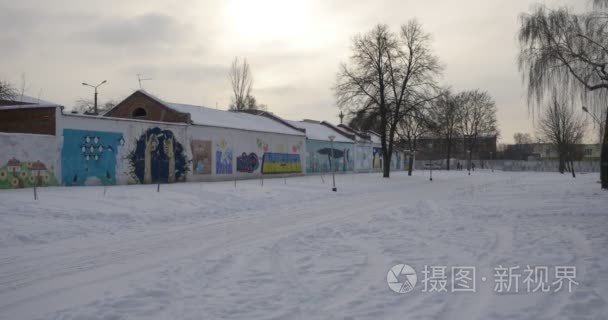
x=430, y=148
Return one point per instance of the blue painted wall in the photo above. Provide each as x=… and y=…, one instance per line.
x=89, y=157
x=318, y=155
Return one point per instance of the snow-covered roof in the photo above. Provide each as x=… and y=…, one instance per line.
x=374, y=137
x=316, y=130
x=27, y=102
x=227, y=119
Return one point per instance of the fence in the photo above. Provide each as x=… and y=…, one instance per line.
x=511, y=165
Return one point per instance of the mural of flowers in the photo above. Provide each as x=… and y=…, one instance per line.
x=25, y=174
x=262, y=145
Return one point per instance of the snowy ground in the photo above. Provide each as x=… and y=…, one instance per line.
x=299, y=251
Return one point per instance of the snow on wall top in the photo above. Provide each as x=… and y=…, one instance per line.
x=25, y=102
x=315, y=130
x=221, y=118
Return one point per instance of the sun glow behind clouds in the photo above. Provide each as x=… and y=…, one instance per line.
x=255, y=21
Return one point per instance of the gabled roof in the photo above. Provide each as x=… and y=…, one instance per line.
x=359, y=134
x=200, y=115
x=319, y=130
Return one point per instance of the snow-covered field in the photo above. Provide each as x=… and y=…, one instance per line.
x=299, y=251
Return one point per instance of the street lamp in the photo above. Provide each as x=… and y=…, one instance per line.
x=94, y=87
x=430, y=163
x=592, y=115
x=331, y=165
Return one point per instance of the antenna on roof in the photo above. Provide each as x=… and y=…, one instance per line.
x=140, y=79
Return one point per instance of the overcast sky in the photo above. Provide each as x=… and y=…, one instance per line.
x=294, y=48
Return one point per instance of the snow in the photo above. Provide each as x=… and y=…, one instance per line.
x=221, y=118
x=317, y=131
x=29, y=102
x=294, y=249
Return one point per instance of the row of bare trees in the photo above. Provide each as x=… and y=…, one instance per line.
x=390, y=85
x=563, y=53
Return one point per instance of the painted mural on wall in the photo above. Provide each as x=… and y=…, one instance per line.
x=88, y=158
x=24, y=174
x=248, y=163
x=319, y=155
x=158, y=156
x=377, y=158
x=223, y=158
x=27, y=159
x=363, y=157
x=275, y=163
x=262, y=145
x=201, y=156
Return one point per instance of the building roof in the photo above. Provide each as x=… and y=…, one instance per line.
x=26, y=102
x=200, y=115
x=319, y=130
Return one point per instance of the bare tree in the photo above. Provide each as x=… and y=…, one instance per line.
x=562, y=127
x=389, y=75
x=477, y=117
x=411, y=128
x=241, y=80
x=567, y=53
x=7, y=91
x=86, y=106
x=445, y=116
x=522, y=138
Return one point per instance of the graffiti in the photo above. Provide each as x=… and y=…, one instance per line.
x=88, y=158
x=201, y=156
x=297, y=147
x=223, y=158
x=25, y=174
x=319, y=157
x=247, y=163
x=273, y=163
x=262, y=145
x=377, y=159
x=158, y=157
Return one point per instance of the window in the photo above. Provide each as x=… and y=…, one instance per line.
x=139, y=113
x=588, y=152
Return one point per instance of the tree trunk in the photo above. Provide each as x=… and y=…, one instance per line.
x=604, y=157
x=449, y=154
x=572, y=168
x=386, y=165
x=562, y=164
x=410, y=166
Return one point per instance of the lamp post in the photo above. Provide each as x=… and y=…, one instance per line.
x=94, y=87
x=491, y=163
x=430, y=163
x=469, y=161
x=592, y=115
x=331, y=165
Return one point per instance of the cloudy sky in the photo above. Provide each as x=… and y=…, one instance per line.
x=293, y=46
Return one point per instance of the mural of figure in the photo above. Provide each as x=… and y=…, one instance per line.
x=170, y=152
x=164, y=158
x=201, y=156
x=151, y=143
x=223, y=158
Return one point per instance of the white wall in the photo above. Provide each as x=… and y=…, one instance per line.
x=219, y=139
